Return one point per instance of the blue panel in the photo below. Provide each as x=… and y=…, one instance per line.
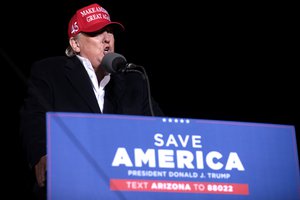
x=97, y=156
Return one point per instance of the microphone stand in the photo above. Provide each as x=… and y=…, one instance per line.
x=145, y=76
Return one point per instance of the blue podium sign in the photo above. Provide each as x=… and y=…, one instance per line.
x=118, y=157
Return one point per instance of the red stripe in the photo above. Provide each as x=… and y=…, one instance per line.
x=178, y=186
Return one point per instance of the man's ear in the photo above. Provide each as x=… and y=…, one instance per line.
x=74, y=44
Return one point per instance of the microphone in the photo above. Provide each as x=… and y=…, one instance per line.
x=114, y=62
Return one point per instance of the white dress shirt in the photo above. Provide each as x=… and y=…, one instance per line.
x=97, y=87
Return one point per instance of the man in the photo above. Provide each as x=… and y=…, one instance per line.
x=78, y=83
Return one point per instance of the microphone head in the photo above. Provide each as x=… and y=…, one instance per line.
x=113, y=62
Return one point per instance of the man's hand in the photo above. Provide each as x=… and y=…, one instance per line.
x=40, y=171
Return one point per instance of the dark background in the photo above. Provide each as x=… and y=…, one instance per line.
x=223, y=61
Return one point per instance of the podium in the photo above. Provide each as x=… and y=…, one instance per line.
x=118, y=157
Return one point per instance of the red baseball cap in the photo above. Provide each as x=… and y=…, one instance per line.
x=89, y=19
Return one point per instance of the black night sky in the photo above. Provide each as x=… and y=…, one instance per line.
x=219, y=61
